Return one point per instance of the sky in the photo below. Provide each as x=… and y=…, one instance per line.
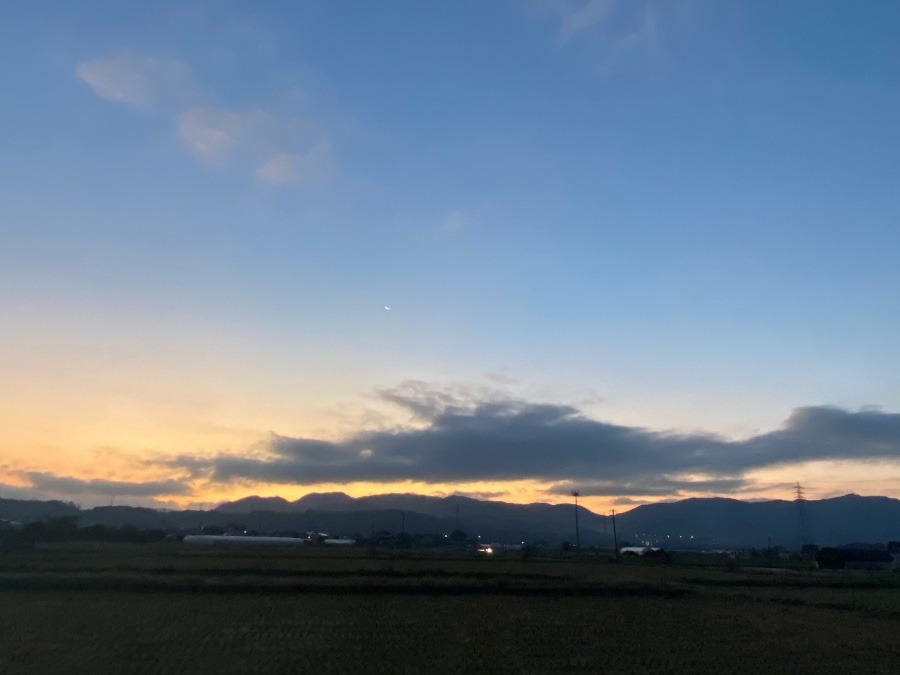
x=507, y=249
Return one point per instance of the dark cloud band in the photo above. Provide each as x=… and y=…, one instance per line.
x=66, y=485
x=486, y=438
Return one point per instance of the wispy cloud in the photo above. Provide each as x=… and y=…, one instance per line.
x=308, y=169
x=279, y=169
x=66, y=485
x=141, y=81
x=211, y=134
x=453, y=221
x=575, y=19
x=614, y=29
x=479, y=494
x=282, y=149
x=482, y=436
x=650, y=486
x=503, y=376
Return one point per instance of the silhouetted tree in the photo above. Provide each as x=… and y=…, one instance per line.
x=63, y=524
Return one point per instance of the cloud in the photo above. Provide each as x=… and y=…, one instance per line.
x=211, y=134
x=453, y=221
x=278, y=170
x=66, y=485
x=282, y=149
x=308, y=169
x=576, y=19
x=649, y=487
x=478, y=435
x=141, y=81
x=16, y=492
x=628, y=501
x=214, y=136
x=423, y=399
x=611, y=31
x=483, y=495
x=502, y=376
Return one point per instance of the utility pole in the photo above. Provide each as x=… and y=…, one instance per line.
x=615, y=537
x=577, y=532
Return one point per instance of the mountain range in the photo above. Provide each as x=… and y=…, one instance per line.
x=691, y=523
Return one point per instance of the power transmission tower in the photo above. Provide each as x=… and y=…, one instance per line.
x=575, y=494
x=615, y=536
x=803, y=530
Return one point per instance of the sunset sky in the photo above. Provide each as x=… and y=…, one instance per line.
x=508, y=249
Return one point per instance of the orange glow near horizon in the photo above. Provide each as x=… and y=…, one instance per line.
x=84, y=442
x=820, y=480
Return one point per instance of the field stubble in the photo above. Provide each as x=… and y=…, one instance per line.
x=164, y=609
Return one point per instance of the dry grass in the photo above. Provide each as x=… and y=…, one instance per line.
x=167, y=609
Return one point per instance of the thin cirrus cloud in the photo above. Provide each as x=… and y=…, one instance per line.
x=480, y=436
x=612, y=30
x=282, y=149
x=575, y=19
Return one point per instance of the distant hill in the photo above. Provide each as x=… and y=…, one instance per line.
x=250, y=504
x=26, y=510
x=710, y=521
x=701, y=523
x=733, y=522
x=422, y=514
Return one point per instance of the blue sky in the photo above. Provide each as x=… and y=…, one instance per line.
x=672, y=216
